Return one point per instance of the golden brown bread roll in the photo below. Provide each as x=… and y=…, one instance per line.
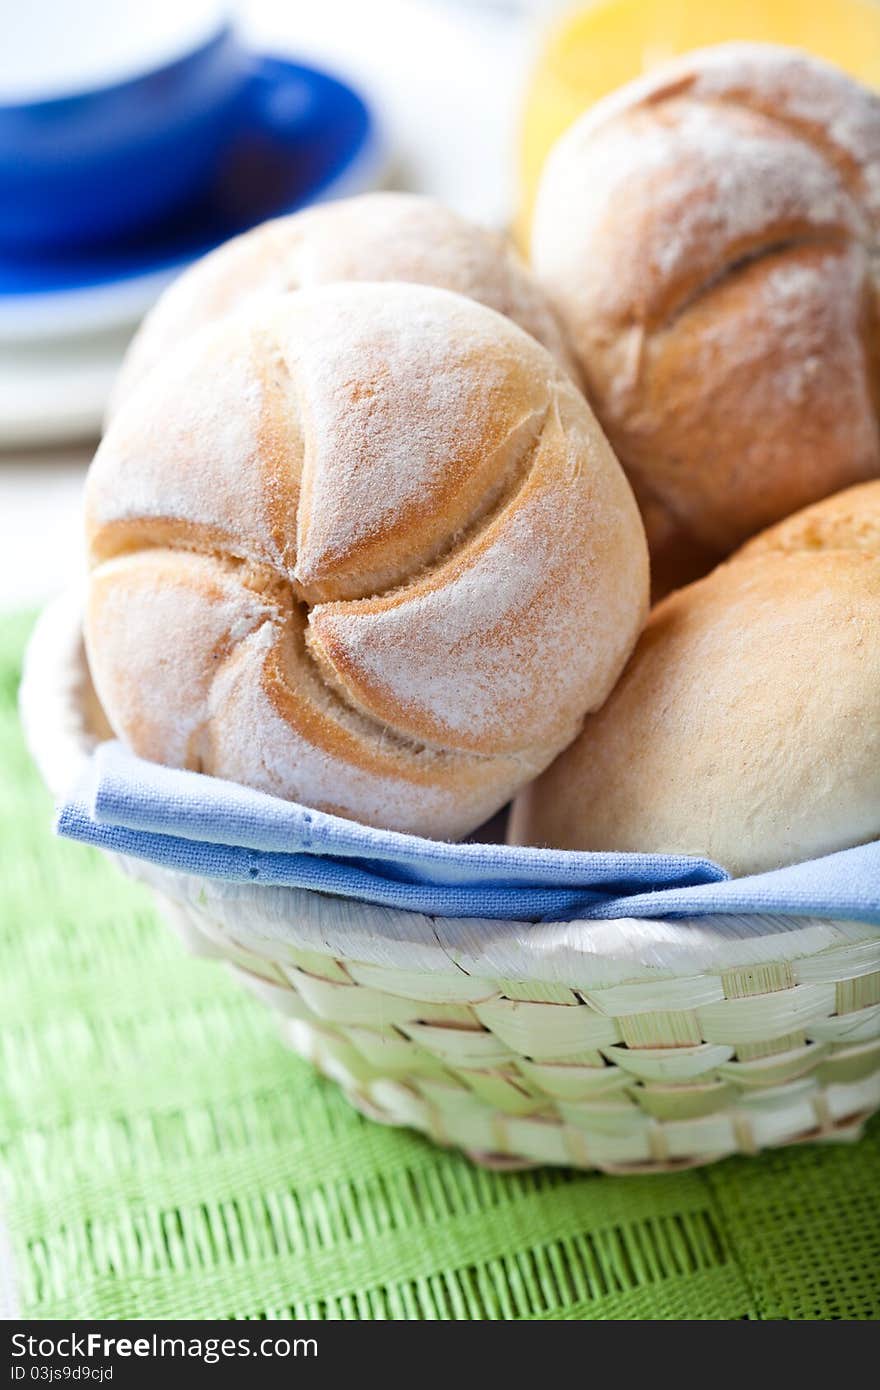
x=711, y=237
x=850, y=520
x=378, y=236
x=746, y=725
x=366, y=548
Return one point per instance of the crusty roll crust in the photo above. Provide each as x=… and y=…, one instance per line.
x=850, y=520
x=376, y=237
x=746, y=726
x=366, y=548
x=711, y=236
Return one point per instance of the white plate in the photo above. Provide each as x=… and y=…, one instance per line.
x=97, y=310
x=55, y=392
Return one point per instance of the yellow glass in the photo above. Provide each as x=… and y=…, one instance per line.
x=596, y=47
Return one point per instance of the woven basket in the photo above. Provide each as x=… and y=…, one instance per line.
x=629, y=1046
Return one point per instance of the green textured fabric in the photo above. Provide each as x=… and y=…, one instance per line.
x=162, y=1155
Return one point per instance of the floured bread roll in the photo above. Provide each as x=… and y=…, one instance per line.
x=711, y=237
x=850, y=520
x=746, y=726
x=366, y=548
x=379, y=236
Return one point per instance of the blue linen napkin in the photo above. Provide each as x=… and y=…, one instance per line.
x=217, y=829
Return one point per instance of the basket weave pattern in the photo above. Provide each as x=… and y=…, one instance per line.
x=644, y=1075
x=622, y=1045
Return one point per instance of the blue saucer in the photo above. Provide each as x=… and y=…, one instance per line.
x=304, y=137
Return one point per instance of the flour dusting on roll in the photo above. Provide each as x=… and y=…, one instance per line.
x=375, y=237
x=711, y=237
x=364, y=547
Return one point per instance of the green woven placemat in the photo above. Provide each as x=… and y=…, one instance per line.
x=164, y=1156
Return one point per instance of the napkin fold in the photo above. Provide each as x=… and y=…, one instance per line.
x=216, y=829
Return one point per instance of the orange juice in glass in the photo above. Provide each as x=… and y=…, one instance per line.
x=592, y=48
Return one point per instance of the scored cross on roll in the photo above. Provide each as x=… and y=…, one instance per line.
x=377, y=236
x=364, y=547
x=711, y=237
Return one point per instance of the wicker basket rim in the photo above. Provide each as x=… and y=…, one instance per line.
x=612, y=951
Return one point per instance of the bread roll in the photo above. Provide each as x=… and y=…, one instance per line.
x=379, y=236
x=366, y=548
x=850, y=520
x=746, y=726
x=711, y=237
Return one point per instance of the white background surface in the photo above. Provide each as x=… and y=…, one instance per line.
x=445, y=77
